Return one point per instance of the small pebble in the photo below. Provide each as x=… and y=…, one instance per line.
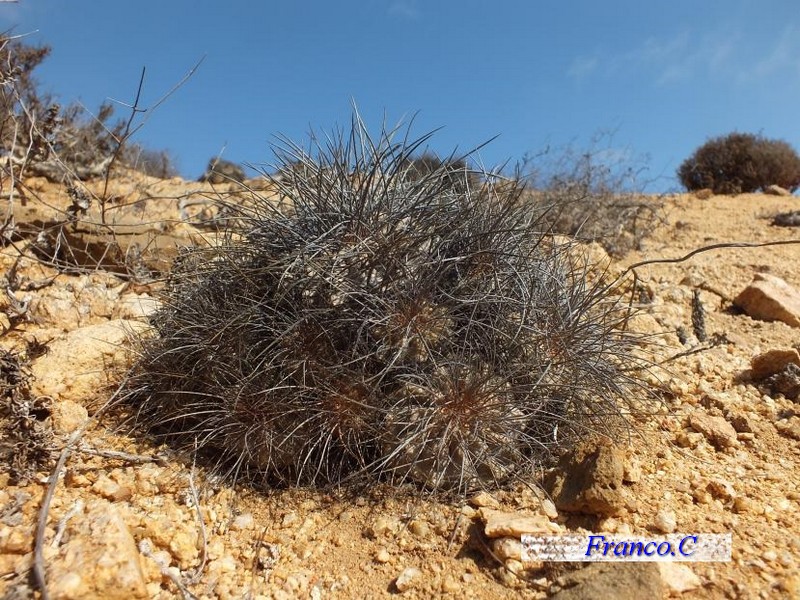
x=450, y=585
x=111, y=490
x=383, y=556
x=419, y=528
x=384, y=526
x=549, y=509
x=405, y=580
x=242, y=522
x=677, y=577
x=665, y=521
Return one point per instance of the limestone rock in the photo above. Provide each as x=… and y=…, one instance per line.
x=67, y=416
x=621, y=581
x=704, y=194
x=136, y=307
x=99, y=559
x=110, y=489
x=498, y=523
x=507, y=548
x=407, y=579
x=76, y=367
x=665, y=521
x=716, y=430
x=677, y=577
x=484, y=499
x=773, y=361
x=589, y=480
x=770, y=298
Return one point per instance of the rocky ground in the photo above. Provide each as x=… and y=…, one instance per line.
x=129, y=520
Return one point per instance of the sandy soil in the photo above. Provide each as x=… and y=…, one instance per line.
x=161, y=528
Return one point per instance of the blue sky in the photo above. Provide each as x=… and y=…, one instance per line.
x=664, y=76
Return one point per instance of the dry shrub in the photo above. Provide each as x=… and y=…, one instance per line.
x=26, y=438
x=593, y=195
x=39, y=137
x=79, y=227
x=378, y=326
x=741, y=163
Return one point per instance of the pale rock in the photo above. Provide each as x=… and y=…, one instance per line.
x=382, y=556
x=111, y=490
x=507, y=548
x=770, y=298
x=773, y=361
x=514, y=567
x=419, y=528
x=37, y=184
x=450, y=585
x=644, y=323
x=243, y=521
x=183, y=546
x=665, y=521
x=384, y=526
x=67, y=416
x=137, y=307
x=678, y=578
x=791, y=585
x=223, y=564
x=498, y=524
x=16, y=540
x=632, y=472
x=548, y=508
x=608, y=525
x=101, y=551
x=484, y=499
x=407, y=579
x=77, y=366
x=716, y=430
x=789, y=427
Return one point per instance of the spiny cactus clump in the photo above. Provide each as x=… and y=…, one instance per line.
x=371, y=326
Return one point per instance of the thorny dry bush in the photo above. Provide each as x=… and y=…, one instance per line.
x=381, y=326
x=593, y=195
x=40, y=137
